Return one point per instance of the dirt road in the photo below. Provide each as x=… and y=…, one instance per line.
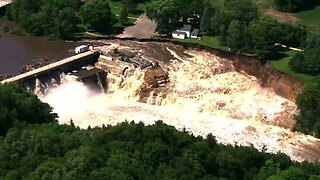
x=143, y=28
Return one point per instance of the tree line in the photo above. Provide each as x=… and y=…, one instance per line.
x=65, y=18
x=34, y=146
x=240, y=27
x=308, y=60
x=308, y=119
x=135, y=151
x=237, y=24
x=18, y=106
x=295, y=5
x=168, y=13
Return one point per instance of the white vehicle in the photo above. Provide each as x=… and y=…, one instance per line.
x=81, y=49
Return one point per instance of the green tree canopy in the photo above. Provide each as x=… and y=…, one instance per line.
x=236, y=35
x=264, y=33
x=18, y=106
x=97, y=14
x=308, y=61
x=165, y=14
x=295, y=5
x=309, y=105
x=123, y=15
x=134, y=151
x=54, y=18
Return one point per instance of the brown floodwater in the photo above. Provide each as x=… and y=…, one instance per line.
x=18, y=51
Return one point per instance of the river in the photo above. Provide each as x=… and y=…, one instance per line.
x=18, y=51
x=205, y=95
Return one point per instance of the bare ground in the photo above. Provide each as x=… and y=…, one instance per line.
x=281, y=16
x=143, y=28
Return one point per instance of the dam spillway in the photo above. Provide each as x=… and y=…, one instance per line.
x=67, y=64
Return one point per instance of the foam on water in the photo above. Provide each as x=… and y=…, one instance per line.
x=205, y=95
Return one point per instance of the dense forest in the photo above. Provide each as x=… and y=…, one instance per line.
x=135, y=151
x=50, y=18
x=18, y=106
x=34, y=146
x=308, y=120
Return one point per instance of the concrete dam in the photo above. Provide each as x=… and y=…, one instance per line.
x=91, y=68
x=80, y=66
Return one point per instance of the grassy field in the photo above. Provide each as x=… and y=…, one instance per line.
x=311, y=19
x=282, y=66
x=116, y=8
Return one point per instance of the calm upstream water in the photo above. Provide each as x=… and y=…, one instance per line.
x=18, y=51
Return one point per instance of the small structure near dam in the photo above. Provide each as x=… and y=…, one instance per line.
x=93, y=77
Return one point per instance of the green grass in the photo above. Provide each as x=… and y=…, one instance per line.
x=311, y=19
x=283, y=66
x=280, y=65
x=208, y=41
x=117, y=6
x=263, y=4
x=217, y=3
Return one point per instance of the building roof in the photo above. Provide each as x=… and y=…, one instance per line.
x=195, y=32
x=179, y=32
x=186, y=27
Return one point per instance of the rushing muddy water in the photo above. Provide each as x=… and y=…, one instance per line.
x=205, y=95
x=18, y=51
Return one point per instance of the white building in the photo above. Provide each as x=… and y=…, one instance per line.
x=179, y=35
x=195, y=33
x=187, y=29
x=185, y=32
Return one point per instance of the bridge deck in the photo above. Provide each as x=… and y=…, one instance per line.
x=5, y=2
x=48, y=67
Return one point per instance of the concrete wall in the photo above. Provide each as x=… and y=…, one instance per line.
x=64, y=65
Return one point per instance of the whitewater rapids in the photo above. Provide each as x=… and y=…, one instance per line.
x=205, y=95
